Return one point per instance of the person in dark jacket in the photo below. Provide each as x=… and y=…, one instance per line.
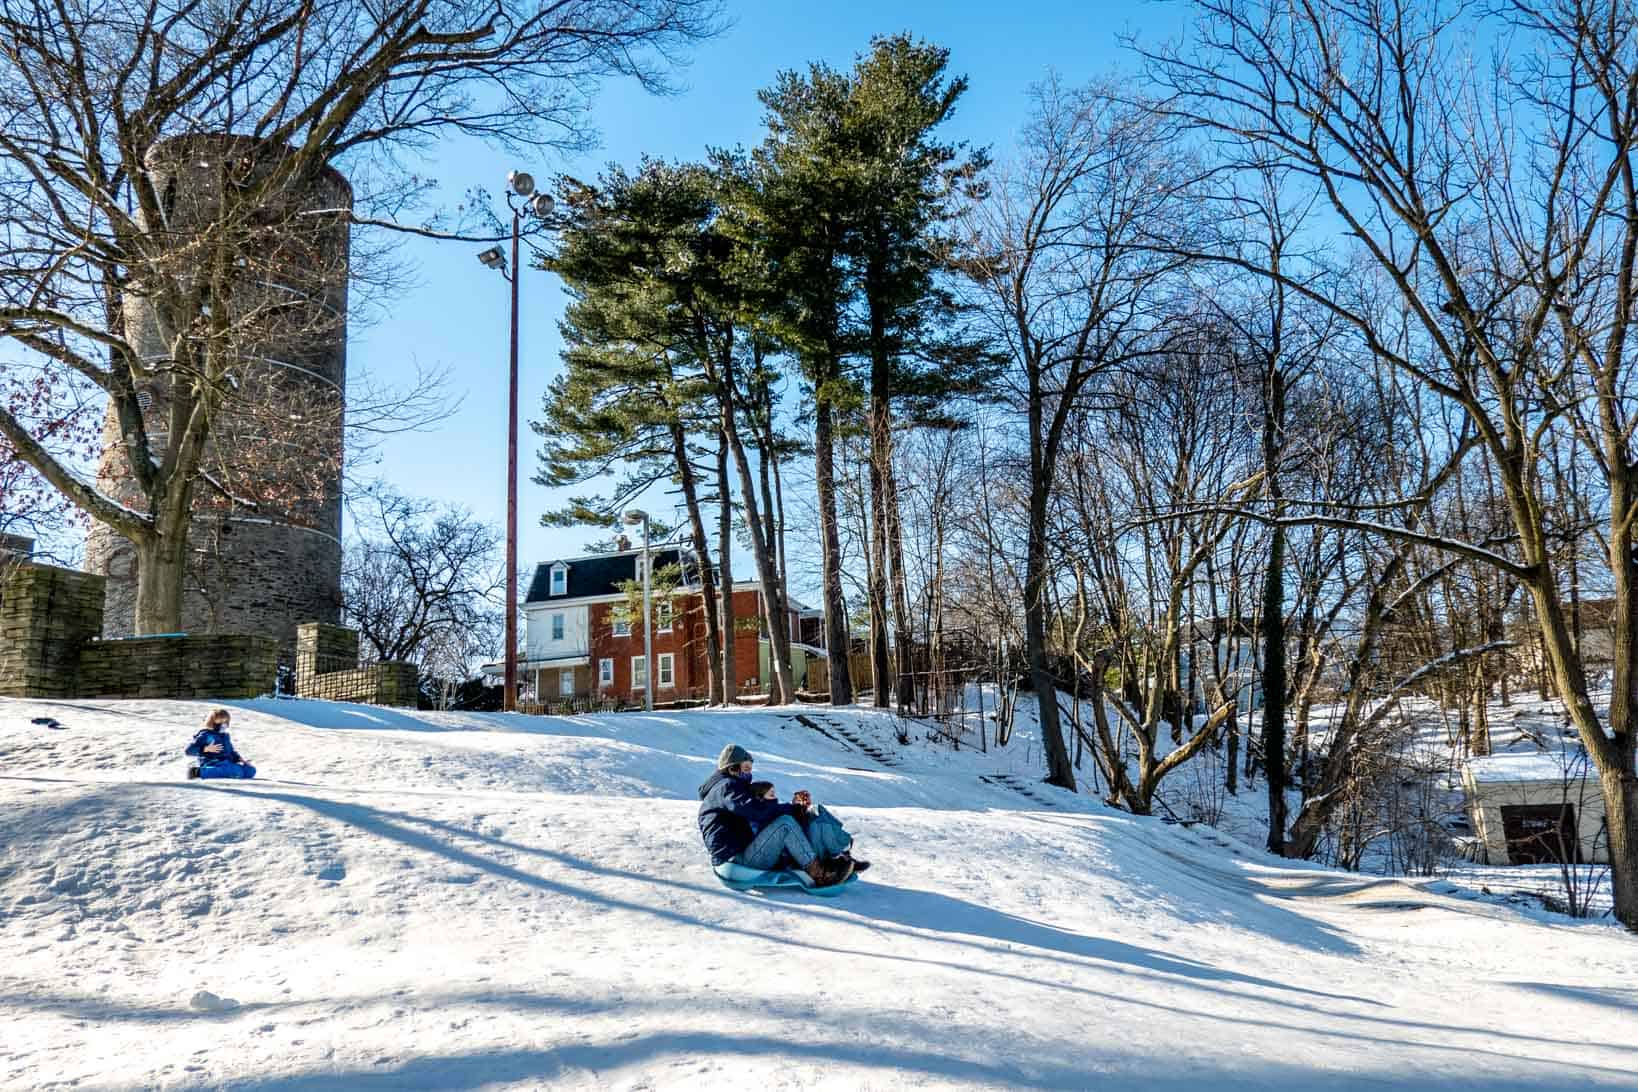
x=739, y=825
x=214, y=749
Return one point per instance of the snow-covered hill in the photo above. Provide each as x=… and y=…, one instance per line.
x=461, y=901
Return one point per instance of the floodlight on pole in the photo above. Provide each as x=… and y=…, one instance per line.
x=521, y=183
x=635, y=516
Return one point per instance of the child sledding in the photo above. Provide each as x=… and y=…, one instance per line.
x=214, y=750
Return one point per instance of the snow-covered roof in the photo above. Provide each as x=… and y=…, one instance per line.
x=1554, y=766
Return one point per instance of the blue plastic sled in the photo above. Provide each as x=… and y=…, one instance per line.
x=740, y=878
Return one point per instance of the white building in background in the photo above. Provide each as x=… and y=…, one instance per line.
x=1537, y=808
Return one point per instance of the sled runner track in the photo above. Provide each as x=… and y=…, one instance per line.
x=850, y=740
x=1007, y=781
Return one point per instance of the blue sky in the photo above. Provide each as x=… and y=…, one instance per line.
x=455, y=314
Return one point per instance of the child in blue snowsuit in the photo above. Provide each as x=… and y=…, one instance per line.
x=215, y=752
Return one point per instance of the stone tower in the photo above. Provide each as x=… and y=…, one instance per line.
x=261, y=569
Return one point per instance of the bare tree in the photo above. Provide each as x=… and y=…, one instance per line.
x=61, y=414
x=422, y=583
x=170, y=200
x=1071, y=290
x=1498, y=200
x=1172, y=444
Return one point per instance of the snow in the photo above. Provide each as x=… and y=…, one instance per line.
x=464, y=901
x=1566, y=766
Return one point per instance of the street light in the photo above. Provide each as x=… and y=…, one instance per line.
x=635, y=516
x=521, y=185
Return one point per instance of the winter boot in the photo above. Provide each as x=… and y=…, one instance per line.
x=858, y=865
x=827, y=873
x=193, y=772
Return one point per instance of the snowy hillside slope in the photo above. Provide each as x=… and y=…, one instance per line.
x=462, y=901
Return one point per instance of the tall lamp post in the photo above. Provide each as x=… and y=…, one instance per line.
x=521, y=198
x=635, y=516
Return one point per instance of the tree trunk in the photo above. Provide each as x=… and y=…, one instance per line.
x=1620, y=789
x=779, y=539
x=780, y=690
x=1273, y=627
x=725, y=548
x=1060, y=771
x=902, y=635
x=837, y=641
x=1612, y=754
x=773, y=535
x=881, y=470
x=937, y=621
x=702, y=549
x=162, y=572
x=162, y=564
x=1481, y=714
x=880, y=663
x=1274, y=690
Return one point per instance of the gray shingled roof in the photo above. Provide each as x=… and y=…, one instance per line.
x=598, y=574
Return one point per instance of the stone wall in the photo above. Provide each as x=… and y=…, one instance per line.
x=384, y=683
x=322, y=648
x=50, y=619
x=327, y=667
x=46, y=616
x=186, y=666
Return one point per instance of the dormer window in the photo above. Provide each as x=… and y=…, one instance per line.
x=560, y=580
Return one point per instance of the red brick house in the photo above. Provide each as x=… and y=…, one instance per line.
x=580, y=643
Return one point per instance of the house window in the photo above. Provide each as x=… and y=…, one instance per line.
x=664, y=664
x=565, y=685
x=662, y=617
x=557, y=627
x=622, y=629
x=605, y=672
x=560, y=580
x=639, y=672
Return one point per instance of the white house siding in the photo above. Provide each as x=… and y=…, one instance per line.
x=538, y=641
